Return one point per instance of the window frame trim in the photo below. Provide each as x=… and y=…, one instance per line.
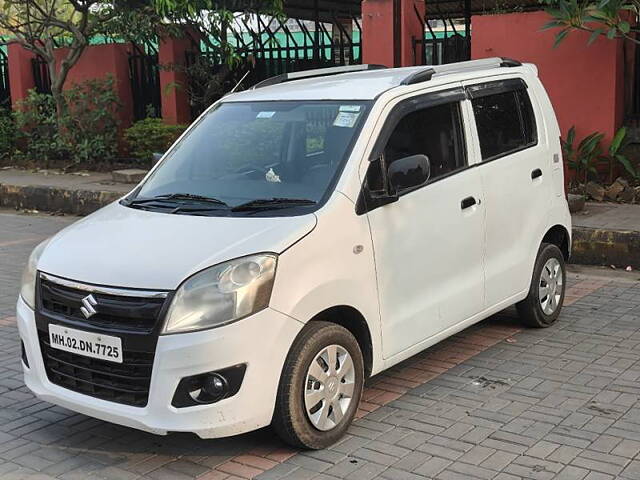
x=497, y=87
x=455, y=95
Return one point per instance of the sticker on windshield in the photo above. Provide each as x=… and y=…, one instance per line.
x=346, y=119
x=265, y=114
x=349, y=108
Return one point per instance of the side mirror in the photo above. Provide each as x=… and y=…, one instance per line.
x=409, y=172
x=155, y=158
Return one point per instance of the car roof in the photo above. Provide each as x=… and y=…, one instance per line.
x=367, y=84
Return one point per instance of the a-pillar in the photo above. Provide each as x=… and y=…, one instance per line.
x=20, y=71
x=390, y=29
x=172, y=55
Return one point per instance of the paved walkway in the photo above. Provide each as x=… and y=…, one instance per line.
x=92, y=181
x=609, y=216
x=494, y=401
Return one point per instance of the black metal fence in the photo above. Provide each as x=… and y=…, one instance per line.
x=270, y=46
x=446, y=41
x=41, y=76
x=5, y=91
x=634, y=110
x=144, y=75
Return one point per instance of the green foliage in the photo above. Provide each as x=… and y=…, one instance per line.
x=38, y=136
x=618, y=143
x=216, y=73
x=582, y=157
x=606, y=18
x=7, y=135
x=614, y=154
x=84, y=135
x=91, y=121
x=633, y=172
x=151, y=135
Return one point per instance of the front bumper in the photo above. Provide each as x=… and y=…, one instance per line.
x=261, y=341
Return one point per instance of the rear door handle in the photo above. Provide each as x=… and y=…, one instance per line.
x=467, y=202
x=536, y=173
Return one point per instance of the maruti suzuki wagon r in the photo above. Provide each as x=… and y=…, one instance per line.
x=299, y=238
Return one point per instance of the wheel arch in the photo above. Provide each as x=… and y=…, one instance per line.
x=558, y=235
x=350, y=318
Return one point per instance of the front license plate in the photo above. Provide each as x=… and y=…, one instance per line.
x=95, y=345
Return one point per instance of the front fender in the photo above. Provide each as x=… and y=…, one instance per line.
x=332, y=266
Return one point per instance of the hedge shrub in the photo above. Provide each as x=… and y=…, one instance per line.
x=7, y=135
x=151, y=135
x=85, y=135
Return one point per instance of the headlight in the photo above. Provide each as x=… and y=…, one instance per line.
x=28, y=286
x=222, y=294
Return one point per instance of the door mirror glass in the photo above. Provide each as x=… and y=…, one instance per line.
x=409, y=172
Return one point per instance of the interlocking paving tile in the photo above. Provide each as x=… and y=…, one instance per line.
x=495, y=401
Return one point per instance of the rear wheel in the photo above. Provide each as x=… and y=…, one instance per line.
x=320, y=388
x=542, y=306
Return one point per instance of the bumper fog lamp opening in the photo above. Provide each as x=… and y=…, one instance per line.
x=208, y=388
x=212, y=388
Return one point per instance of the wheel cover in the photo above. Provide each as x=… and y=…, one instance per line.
x=550, y=286
x=329, y=387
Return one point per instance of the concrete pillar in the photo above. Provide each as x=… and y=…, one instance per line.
x=99, y=61
x=388, y=30
x=173, y=80
x=20, y=71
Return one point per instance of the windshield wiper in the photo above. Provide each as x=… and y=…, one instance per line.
x=270, y=203
x=177, y=196
x=191, y=196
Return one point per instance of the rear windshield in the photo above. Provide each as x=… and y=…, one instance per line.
x=246, y=151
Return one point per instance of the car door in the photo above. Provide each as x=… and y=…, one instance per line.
x=428, y=245
x=516, y=178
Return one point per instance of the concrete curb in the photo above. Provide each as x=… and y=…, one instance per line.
x=593, y=246
x=54, y=199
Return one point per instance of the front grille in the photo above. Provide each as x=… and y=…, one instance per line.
x=126, y=382
x=113, y=311
x=134, y=316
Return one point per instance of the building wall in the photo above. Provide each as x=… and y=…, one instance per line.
x=585, y=83
x=96, y=62
x=99, y=61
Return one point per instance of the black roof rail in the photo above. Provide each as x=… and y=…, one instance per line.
x=510, y=62
x=419, y=76
x=318, y=72
x=458, y=67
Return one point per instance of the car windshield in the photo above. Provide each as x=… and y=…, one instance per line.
x=244, y=155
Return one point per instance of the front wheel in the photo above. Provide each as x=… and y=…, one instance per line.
x=320, y=388
x=542, y=306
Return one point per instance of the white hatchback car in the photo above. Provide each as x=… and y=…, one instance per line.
x=299, y=238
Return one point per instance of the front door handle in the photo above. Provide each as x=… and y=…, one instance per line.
x=467, y=202
x=536, y=174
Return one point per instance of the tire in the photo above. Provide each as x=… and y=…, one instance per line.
x=536, y=311
x=291, y=419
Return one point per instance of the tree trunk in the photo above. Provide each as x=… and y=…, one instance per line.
x=57, y=82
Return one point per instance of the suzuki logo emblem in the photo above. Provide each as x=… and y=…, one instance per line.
x=88, y=306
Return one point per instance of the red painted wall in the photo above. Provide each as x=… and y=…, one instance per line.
x=20, y=72
x=378, y=31
x=585, y=83
x=98, y=61
x=175, y=100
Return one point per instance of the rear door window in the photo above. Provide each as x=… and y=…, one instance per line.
x=505, y=122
